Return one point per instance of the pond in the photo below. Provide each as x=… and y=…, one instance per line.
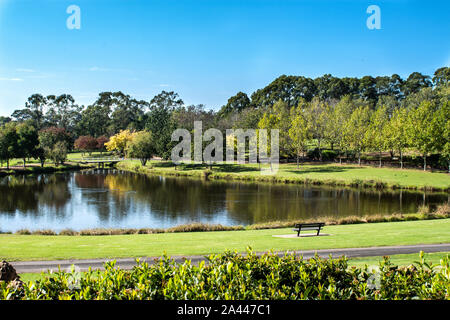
x=113, y=199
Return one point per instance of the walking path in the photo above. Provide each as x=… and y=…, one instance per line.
x=128, y=263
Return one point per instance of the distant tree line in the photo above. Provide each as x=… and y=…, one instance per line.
x=347, y=115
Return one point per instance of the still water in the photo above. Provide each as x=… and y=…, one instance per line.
x=112, y=199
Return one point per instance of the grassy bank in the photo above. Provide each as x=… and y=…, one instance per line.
x=35, y=247
x=316, y=174
x=35, y=169
x=441, y=212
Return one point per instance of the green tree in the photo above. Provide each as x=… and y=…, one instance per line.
x=376, y=133
x=336, y=124
x=442, y=132
x=184, y=117
x=63, y=112
x=236, y=103
x=277, y=117
x=298, y=132
x=4, y=120
x=396, y=132
x=317, y=114
x=422, y=129
x=356, y=128
x=415, y=82
x=441, y=77
x=95, y=120
x=27, y=141
x=367, y=89
x=57, y=152
x=141, y=146
x=161, y=123
x=53, y=144
x=34, y=110
x=289, y=89
x=8, y=142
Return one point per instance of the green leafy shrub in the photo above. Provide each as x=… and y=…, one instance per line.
x=329, y=155
x=243, y=277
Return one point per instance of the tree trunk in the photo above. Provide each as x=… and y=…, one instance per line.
x=24, y=161
x=298, y=156
x=424, y=162
x=7, y=164
x=320, y=152
x=380, y=159
x=401, y=159
x=359, y=159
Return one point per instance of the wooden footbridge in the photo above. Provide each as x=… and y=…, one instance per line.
x=99, y=161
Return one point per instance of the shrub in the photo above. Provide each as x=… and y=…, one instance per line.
x=313, y=154
x=44, y=232
x=329, y=155
x=23, y=232
x=243, y=277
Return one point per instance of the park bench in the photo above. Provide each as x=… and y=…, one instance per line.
x=308, y=226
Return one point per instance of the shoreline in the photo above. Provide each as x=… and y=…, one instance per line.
x=39, y=170
x=442, y=212
x=207, y=174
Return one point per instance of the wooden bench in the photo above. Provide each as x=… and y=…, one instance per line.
x=308, y=226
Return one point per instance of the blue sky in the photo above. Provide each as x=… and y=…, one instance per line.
x=208, y=50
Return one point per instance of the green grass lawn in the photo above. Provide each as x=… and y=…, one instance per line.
x=325, y=173
x=80, y=155
x=35, y=247
x=400, y=260
x=70, y=157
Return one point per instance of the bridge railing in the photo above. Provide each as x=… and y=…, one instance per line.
x=97, y=159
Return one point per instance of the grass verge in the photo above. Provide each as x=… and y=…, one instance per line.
x=398, y=259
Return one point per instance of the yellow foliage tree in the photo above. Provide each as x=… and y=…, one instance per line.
x=119, y=141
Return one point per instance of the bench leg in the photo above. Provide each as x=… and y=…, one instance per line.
x=298, y=233
x=318, y=230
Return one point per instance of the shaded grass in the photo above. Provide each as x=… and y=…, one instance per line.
x=38, y=247
x=315, y=174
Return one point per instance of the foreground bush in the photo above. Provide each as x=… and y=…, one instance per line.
x=234, y=276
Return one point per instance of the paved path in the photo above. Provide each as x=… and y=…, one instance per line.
x=128, y=263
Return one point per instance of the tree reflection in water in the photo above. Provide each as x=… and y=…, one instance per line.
x=112, y=199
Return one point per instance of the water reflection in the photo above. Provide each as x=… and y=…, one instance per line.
x=112, y=199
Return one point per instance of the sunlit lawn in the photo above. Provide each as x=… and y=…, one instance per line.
x=346, y=173
x=37, y=247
